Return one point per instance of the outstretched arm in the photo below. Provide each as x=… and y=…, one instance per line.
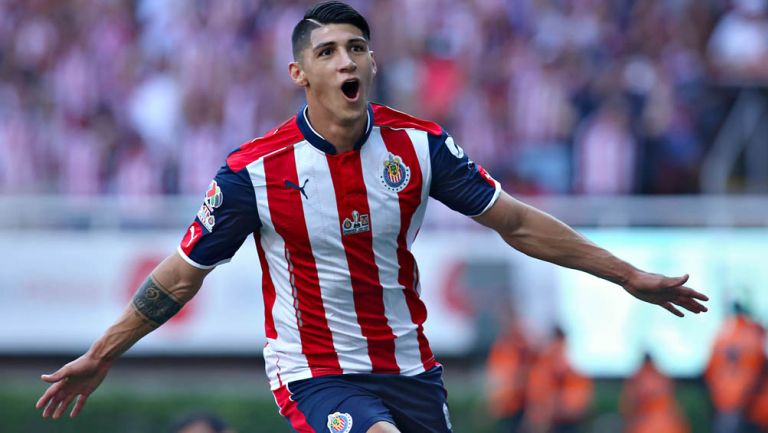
x=544, y=237
x=172, y=284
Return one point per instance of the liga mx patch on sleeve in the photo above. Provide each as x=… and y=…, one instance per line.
x=193, y=234
x=339, y=422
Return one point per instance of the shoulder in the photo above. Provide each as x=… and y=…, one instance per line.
x=277, y=139
x=389, y=117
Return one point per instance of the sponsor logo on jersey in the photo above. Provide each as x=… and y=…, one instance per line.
x=339, y=422
x=484, y=173
x=396, y=174
x=193, y=234
x=206, y=217
x=213, y=197
x=357, y=224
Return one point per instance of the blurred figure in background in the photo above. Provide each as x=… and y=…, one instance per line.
x=508, y=365
x=739, y=44
x=648, y=402
x=558, y=396
x=202, y=422
x=735, y=369
x=758, y=410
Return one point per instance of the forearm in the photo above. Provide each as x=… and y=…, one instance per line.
x=158, y=299
x=544, y=237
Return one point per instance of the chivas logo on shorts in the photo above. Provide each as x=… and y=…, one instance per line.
x=339, y=422
x=396, y=174
x=357, y=224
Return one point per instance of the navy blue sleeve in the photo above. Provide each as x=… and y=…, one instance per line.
x=225, y=219
x=457, y=181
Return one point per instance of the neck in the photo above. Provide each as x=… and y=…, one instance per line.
x=343, y=134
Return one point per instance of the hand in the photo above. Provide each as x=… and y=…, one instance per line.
x=78, y=379
x=667, y=292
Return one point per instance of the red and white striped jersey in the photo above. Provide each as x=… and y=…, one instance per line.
x=333, y=233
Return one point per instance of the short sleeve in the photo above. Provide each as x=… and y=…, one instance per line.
x=223, y=222
x=457, y=181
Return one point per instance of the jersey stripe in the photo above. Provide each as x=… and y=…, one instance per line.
x=352, y=202
x=290, y=409
x=321, y=216
x=285, y=204
x=280, y=355
x=399, y=143
x=386, y=213
x=267, y=290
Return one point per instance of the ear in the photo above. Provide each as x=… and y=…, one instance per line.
x=374, y=68
x=297, y=74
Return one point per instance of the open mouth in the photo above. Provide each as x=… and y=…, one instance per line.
x=351, y=89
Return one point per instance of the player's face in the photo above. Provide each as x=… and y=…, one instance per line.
x=337, y=70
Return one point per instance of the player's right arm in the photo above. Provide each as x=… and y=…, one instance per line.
x=171, y=285
x=225, y=219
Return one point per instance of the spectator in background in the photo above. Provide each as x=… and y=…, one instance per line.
x=648, y=402
x=734, y=370
x=517, y=76
x=558, y=396
x=739, y=44
x=758, y=410
x=202, y=422
x=508, y=366
x=605, y=152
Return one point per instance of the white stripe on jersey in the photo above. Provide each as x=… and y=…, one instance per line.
x=322, y=219
x=385, y=227
x=285, y=352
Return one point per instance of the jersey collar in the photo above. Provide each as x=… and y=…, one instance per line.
x=321, y=143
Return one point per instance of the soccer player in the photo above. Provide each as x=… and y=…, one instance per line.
x=334, y=198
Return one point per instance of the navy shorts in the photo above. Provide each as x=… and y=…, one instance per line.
x=352, y=403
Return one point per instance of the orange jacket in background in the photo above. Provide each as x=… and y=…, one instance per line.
x=557, y=393
x=758, y=409
x=648, y=403
x=508, y=365
x=735, y=364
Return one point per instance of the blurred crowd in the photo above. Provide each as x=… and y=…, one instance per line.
x=144, y=97
x=534, y=388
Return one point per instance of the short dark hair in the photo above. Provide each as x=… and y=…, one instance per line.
x=327, y=12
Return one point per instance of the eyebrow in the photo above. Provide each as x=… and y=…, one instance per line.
x=333, y=43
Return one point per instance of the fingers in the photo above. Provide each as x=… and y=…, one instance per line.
x=691, y=305
x=49, y=393
x=52, y=405
x=55, y=377
x=78, y=405
x=63, y=406
x=685, y=291
x=671, y=308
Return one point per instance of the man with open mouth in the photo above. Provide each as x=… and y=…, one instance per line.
x=334, y=198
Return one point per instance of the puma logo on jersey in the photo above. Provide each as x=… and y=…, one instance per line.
x=292, y=185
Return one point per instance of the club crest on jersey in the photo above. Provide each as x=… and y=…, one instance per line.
x=357, y=224
x=339, y=422
x=396, y=174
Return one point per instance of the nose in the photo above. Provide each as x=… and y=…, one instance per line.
x=346, y=63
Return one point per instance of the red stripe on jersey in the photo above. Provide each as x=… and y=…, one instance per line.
x=267, y=290
x=351, y=196
x=389, y=117
x=285, y=135
x=398, y=143
x=287, y=214
x=290, y=409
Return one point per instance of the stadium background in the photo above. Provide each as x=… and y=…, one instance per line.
x=641, y=123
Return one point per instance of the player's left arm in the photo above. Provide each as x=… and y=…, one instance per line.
x=540, y=235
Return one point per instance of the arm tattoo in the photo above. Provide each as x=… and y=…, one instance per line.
x=153, y=302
